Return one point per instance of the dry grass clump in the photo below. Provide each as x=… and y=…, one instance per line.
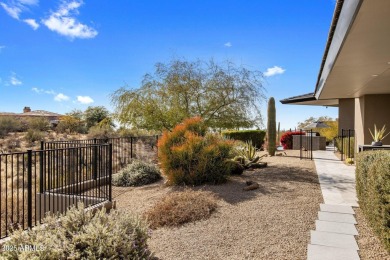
x=178, y=208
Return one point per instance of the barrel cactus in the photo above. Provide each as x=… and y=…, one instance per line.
x=271, y=127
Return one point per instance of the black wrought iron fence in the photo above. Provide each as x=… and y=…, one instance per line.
x=35, y=183
x=124, y=148
x=306, y=144
x=345, y=143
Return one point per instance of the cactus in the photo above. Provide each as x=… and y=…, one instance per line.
x=248, y=151
x=278, y=140
x=271, y=127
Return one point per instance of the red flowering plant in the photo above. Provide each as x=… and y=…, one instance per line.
x=287, y=138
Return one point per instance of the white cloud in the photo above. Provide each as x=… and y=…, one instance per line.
x=15, y=8
x=32, y=23
x=14, y=81
x=50, y=92
x=274, y=71
x=1, y=48
x=29, y=2
x=63, y=22
x=36, y=90
x=228, y=44
x=61, y=97
x=84, y=99
x=12, y=10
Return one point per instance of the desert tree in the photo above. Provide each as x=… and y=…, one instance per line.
x=224, y=95
x=93, y=115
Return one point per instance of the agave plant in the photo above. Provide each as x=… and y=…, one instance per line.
x=379, y=135
x=248, y=151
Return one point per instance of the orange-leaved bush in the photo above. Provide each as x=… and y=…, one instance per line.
x=189, y=155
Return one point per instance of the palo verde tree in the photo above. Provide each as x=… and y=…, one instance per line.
x=224, y=96
x=93, y=115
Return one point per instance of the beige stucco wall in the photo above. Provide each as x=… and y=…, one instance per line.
x=346, y=114
x=370, y=110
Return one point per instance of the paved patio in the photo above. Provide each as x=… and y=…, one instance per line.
x=335, y=228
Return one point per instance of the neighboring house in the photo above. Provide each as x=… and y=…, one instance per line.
x=53, y=118
x=355, y=69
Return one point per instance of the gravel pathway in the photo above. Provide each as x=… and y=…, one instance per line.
x=272, y=222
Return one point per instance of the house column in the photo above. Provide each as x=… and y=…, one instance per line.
x=370, y=110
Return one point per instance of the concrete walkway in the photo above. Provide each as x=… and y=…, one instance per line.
x=334, y=237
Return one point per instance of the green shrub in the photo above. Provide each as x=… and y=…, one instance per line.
x=38, y=123
x=101, y=132
x=373, y=191
x=190, y=156
x=82, y=235
x=254, y=136
x=236, y=168
x=137, y=173
x=34, y=135
x=9, y=124
x=70, y=124
x=347, y=145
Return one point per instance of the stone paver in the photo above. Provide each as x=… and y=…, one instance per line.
x=316, y=252
x=337, y=180
x=336, y=227
x=334, y=237
x=333, y=240
x=337, y=217
x=337, y=209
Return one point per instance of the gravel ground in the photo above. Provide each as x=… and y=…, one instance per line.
x=272, y=222
x=370, y=246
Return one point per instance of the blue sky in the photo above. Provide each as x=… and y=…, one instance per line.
x=62, y=55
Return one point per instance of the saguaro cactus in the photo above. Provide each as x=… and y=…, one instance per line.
x=278, y=140
x=271, y=127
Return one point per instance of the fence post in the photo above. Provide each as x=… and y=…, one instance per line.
x=349, y=143
x=29, y=188
x=300, y=144
x=311, y=144
x=110, y=172
x=42, y=145
x=94, y=162
x=41, y=177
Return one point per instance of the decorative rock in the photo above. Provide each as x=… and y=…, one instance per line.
x=251, y=185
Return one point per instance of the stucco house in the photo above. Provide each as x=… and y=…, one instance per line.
x=355, y=69
x=53, y=118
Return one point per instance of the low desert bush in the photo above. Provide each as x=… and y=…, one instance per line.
x=236, y=168
x=101, y=132
x=82, y=235
x=11, y=144
x=137, y=173
x=34, y=135
x=38, y=124
x=189, y=155
x=287, y=139
x=9, y=124
x=178, y=208
x=69, y=124
x=373, y=191
x=256, y=137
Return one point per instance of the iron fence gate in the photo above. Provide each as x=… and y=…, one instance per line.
x=306, y=144
x=34, y=183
